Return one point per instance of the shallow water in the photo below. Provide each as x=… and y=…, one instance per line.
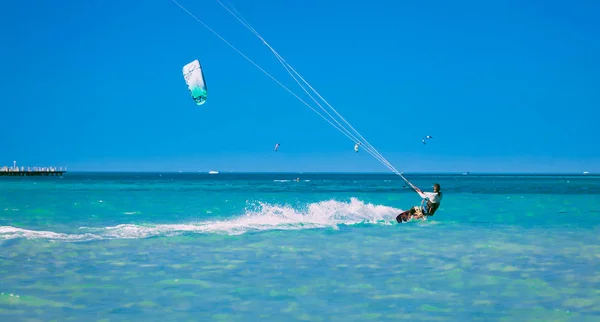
x=241, y=247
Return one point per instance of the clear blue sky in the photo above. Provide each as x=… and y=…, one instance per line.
x=501, y=86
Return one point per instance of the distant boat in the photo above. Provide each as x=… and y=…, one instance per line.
x=585, y=172
x=213, y=172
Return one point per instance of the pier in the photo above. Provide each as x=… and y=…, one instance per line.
x=31, y=171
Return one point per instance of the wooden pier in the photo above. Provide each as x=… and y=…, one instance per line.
x=15, y=171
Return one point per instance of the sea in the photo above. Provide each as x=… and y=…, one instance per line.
x=298, y=247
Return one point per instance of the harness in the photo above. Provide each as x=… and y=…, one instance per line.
x=430, y=208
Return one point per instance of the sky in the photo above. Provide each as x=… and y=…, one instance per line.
x=502, y=86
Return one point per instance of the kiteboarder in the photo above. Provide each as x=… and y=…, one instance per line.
x=418, y=212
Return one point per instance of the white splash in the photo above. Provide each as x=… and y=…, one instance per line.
x=323, y=214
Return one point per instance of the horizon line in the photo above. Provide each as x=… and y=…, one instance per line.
x=336, y=172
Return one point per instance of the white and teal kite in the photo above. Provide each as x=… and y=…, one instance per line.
x=194, y=78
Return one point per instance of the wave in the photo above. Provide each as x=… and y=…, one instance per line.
x=325, y=214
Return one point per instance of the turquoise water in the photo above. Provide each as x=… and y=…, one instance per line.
x=263, y=247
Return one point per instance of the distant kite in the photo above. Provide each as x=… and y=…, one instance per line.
x=427, y=137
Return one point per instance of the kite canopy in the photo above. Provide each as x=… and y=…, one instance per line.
x=426, y=137
x=194, y=78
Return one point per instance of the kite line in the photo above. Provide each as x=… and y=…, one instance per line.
x=355, y=136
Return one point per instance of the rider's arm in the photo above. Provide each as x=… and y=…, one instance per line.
x=427, y=195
